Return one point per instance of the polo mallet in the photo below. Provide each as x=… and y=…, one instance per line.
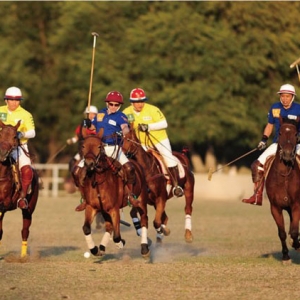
x=210, y=172
x=295, y=63
x=94, y=34
x=55, y=154
x=125, y=223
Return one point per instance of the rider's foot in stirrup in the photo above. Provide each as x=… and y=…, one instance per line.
x=22, y=203
x=178, y=191
x=132, y=200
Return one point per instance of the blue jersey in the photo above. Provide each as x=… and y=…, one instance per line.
x=277, y=110
x=111, y=123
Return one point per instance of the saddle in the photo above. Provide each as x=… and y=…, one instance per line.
x=163, y=165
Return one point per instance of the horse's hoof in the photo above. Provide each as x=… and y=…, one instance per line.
x=95, y=251
x=287, y=262
x=188, y=236
x=145, y=250
x=158, y=241
x=166, y=231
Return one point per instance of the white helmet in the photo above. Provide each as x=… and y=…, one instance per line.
x=287, y=89
x=13, y=93
x=93, y=109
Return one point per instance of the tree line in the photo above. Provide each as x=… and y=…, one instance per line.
x=212, y=67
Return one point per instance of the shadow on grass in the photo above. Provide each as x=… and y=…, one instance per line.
x=294, y=255
x=56, y=251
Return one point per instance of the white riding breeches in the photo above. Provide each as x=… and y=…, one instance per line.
x=271, y=150
x=18, y=154
x=164, y=148
x=113, y=151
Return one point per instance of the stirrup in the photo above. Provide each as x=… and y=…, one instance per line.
x=178, y=191
x=22, y=203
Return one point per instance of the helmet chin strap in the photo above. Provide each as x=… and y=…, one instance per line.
x=290, y=102
x=110, y=110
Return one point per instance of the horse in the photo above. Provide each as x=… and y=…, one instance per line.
x=157, y=185
x=283, y=185
x=10, y=187
x=105, y=192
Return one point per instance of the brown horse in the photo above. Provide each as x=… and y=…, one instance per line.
x=104, y=191
x=10, y=183
x=283, y=185
x=157, y=185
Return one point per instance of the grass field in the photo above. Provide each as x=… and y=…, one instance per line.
x=236, y=254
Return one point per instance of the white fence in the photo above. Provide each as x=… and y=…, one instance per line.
x=51, y=183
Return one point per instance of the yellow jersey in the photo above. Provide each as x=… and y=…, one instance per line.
x=12, y=118
x=149, y=114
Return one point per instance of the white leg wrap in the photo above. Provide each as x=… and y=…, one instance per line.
x=119, y=245
x=89, y=241
x=105, y=239
x=144, y=239
x=188, y=222
x=159, y=234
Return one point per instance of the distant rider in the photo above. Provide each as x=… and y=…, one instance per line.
x=286, y=108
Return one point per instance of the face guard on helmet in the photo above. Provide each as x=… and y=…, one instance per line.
x=13, y=93
x=137, y=95
x=287, y=89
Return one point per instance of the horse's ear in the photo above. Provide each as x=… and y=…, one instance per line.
x=1, y=124
x=100, y=133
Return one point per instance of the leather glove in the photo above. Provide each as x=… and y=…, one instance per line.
x=143, y=127
x=87, y=123
x=263, y=143
x=19, y=135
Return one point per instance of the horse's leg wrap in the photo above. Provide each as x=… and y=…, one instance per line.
x=188, y=222
x=24, y=249
x=259, y=182
x=137, y=225
x=177, y=190
x=144, y=234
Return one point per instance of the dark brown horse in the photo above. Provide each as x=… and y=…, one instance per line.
x=283, y=185
x=157, y=185
x=104, y=191
x=10, y=183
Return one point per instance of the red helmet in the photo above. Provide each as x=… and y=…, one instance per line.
x=137, y=95
x=114, y=96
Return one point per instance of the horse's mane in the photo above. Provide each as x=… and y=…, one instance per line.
x=290, y=121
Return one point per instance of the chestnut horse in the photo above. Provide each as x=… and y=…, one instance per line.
x=10, y=183
x=104, y=191
x=157, y=185
x=283, y=185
